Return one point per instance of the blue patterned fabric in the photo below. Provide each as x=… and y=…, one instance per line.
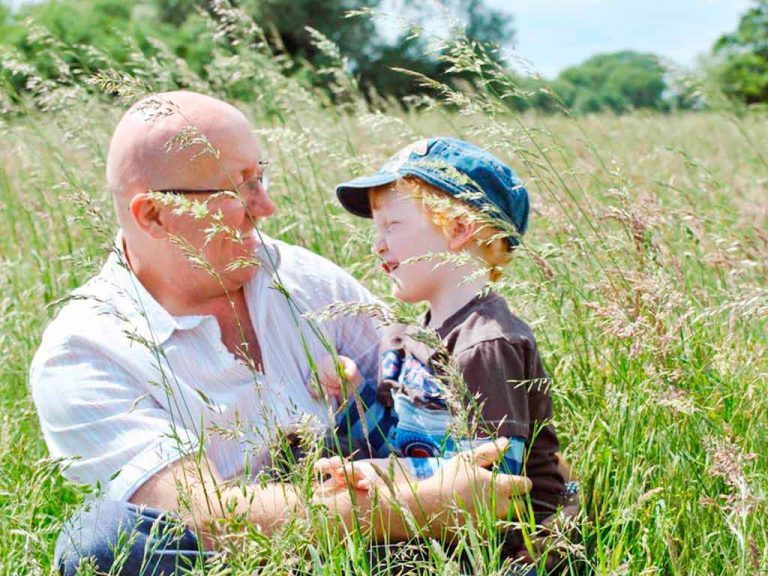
x=417, y=424
x=373, y=426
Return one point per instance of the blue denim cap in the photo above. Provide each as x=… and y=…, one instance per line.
x=459, y=168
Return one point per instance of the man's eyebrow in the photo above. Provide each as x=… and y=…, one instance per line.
x=262, y=166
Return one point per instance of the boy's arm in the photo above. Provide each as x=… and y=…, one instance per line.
x=495, y=371
x=514, y=397
x=459, y=492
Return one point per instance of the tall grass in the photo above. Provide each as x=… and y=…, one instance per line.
x=643, y=275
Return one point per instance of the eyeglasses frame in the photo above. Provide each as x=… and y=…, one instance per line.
x=263, y=178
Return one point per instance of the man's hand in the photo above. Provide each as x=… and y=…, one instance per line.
x=333, y=375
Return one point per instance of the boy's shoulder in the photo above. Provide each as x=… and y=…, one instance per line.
x=486, y=318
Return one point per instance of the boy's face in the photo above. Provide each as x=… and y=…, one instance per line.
x=404, y=231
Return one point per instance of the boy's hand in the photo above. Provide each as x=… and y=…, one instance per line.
x=343, y=473
x=465, y=479
x=330, y=380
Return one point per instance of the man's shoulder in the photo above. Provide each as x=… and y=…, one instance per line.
x=92, y=313
x=489, y=320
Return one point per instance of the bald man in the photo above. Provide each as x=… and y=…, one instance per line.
x=170, y=372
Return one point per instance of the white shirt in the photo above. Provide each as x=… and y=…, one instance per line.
x=123, y=388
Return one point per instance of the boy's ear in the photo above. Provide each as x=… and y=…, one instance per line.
x=148, y=216
x=461, y=234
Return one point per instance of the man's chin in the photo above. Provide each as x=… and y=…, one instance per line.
x=239, y=272
x=250, y=242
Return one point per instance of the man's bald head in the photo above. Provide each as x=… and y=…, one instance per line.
x=191, y=142
x=160, y=143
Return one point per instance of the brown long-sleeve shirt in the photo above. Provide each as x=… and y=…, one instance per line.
x=497, y=355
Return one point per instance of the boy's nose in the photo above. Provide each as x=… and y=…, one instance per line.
x=379, y=246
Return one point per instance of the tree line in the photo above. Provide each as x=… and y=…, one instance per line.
x=318, y=41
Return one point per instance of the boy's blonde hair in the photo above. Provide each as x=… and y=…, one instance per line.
x=442, y=209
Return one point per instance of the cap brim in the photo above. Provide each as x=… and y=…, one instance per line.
x=353, y=195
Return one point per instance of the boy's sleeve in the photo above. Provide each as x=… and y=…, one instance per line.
x=507, y=377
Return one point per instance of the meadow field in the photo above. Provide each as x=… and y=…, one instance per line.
x=643, y=275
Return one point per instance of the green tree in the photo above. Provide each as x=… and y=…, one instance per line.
x=371, y=57
x=741, y=70
x=618, y=82
x=175, y=12
x=409, y=51
x=485, y=24
x=121, y=30
x=64, y=42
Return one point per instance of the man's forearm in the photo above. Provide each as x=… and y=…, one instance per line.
x=393, y=512
x=197, y=493
x=206, y=503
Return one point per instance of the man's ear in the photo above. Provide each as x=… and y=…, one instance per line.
x=461, y=234
x=149, y=217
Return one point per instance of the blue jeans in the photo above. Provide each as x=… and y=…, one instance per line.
x=123, y=539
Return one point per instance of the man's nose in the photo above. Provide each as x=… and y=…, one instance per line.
x=258, y=202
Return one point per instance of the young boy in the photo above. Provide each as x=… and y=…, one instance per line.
x=447, y=216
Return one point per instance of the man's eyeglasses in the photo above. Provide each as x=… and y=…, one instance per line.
x=250, y=185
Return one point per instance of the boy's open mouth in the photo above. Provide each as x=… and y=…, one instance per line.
x=389, y=267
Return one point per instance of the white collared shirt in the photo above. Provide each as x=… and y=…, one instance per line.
x=123, y=388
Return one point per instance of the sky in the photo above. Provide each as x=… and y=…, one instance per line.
x=555, y=34
x=552, y=35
